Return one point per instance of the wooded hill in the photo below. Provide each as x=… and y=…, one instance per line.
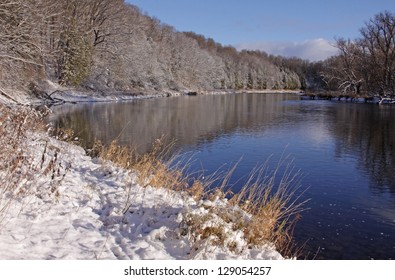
x=110, y=45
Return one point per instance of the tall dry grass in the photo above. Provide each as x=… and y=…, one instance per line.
x=273, y=199
x=155, y=168
x=265, y=210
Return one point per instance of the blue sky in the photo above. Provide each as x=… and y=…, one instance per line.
x=304, y=28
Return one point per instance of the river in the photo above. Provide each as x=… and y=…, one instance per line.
x=344, y=151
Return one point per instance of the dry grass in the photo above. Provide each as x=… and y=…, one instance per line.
x=154, y=168
x=265, y=210
x=273, y=201
x=24, y=168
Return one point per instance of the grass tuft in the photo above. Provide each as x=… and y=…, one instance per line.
x=273, y=201
x=265, y=211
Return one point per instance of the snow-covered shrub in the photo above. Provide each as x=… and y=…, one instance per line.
x=28, y=164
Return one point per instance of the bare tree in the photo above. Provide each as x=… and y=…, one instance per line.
x=83, y=26
x=345, y=70
x=17, y=32
x=23, y=52
x=378, y=42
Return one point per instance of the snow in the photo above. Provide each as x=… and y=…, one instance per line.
x=98, y=211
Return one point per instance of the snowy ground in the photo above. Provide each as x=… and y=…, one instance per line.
x=98, y=211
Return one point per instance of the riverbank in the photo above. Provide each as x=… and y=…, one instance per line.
x=58, y=203
x=339, y=96
x=49, y=93
x=54, y=94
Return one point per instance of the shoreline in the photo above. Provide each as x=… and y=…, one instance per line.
x=77, y=207
x=55, y=94
x=52, y=94
x=80, y=97
x=341, y=97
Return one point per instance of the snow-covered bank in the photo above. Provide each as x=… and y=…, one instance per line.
x=49, y=93
x=76, y=207
x=74, y=96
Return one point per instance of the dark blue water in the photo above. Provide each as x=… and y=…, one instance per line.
x=346, y=154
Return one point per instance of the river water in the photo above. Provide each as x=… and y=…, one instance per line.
x=345, y=153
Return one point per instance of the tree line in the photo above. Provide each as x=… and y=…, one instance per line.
x=110, y=45
x=366, y=64
x=363, y=66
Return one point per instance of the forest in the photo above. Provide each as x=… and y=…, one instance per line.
x=112, y=46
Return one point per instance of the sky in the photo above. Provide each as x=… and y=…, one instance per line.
x=303, y=28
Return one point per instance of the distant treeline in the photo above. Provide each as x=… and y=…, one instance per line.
x=110, y=45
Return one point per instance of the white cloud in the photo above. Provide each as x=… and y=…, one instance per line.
x=313, y=50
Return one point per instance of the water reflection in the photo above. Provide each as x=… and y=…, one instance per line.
x=368, y=133
x=185, y=119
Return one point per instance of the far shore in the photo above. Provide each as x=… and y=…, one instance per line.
x=49, y=93
x=52, y=94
